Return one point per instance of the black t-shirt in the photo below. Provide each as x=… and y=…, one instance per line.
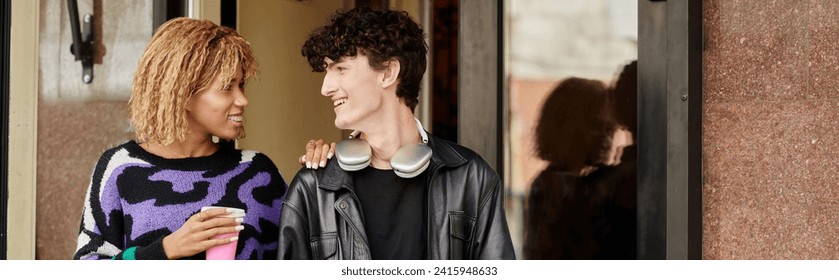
x=394, y=210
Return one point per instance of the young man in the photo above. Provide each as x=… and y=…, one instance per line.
x=420, y=197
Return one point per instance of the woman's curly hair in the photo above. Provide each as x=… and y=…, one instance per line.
x=381, y=35
x=184, y=57
x=576, y=125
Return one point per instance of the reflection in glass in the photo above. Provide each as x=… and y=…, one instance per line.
x=546, y=43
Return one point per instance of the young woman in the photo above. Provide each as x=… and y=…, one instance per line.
x=145, y=195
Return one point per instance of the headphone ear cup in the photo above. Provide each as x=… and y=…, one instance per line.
x=411, y=160
x=353, y=154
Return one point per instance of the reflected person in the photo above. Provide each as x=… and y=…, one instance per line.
x=578, y=136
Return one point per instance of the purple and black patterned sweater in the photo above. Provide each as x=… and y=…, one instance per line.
x=136, y=198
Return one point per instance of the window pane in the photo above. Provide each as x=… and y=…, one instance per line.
x=582, y=193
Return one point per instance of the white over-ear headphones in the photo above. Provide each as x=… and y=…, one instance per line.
x=409, y=161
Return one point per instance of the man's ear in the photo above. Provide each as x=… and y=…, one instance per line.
x=391, y=73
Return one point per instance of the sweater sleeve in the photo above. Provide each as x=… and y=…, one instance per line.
x=95, y=240
x=153, y=251
x=101, y=234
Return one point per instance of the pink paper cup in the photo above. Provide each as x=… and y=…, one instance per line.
x=225, y=251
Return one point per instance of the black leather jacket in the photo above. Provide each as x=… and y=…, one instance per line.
x=321, y=217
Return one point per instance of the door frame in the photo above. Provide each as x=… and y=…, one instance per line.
x=669, y=215
x=22, y=129
x=5, y=20
x=480, y=71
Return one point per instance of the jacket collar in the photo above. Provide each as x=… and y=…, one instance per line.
x=443, y=155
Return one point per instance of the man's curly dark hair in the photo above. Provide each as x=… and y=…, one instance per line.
x=381, y=35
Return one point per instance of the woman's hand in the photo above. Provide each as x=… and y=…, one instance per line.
x=195, y=235
x=621, y=139
x=317, y=153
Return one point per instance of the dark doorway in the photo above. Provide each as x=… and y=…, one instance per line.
x=443, y=63
x=164, y=10
x=445, y=22
x=373, y=4
x=228, y=13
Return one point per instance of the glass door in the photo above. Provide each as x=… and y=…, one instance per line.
x=569, y=153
